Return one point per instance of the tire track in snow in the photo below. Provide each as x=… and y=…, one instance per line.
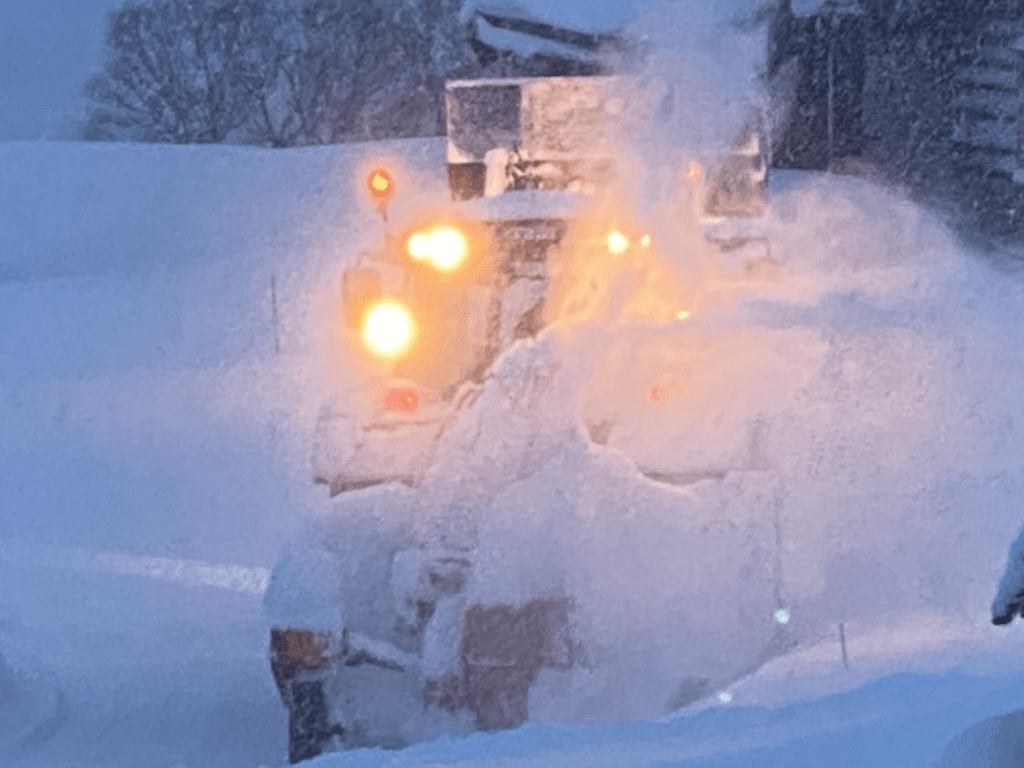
x=250, y=580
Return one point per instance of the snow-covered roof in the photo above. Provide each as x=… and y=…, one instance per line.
x=594, y=16
x=522, y=44
x=816, y=7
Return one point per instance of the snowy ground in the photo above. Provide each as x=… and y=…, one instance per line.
x=156, y=418
x=150, y=379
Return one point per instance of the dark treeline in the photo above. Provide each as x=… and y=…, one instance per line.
x=927, y=93
x=285, y=72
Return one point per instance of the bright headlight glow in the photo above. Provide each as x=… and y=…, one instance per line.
x=449, y=248
x=419, y=246
x=444, y=247
x=388, y=329
x=617, y=242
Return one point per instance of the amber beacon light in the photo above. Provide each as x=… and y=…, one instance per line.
x=381, y=187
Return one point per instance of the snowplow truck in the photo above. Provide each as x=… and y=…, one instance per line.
x=431, y=310
x=375, y=638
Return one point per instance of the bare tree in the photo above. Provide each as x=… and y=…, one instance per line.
x=277, y=72
x=191, y=70
x=356, y=57
x=377, y=70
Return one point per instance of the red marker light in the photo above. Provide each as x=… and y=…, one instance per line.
x=657, y=394
x=405, y=399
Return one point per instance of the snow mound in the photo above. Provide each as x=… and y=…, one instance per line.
x=32, y=710
x=857, y=654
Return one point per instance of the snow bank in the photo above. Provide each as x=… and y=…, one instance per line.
x=89, y=208
x=158, y=382
x=162, y=298
x=903, y=720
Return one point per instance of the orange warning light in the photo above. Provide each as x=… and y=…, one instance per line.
x=381, y=186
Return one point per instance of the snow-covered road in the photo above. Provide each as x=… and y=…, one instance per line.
x=187, y=684
x=153, y=672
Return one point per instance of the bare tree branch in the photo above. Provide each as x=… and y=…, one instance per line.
x=276, y=72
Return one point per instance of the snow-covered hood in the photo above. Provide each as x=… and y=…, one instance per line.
x=591, y=17
x=531, y=204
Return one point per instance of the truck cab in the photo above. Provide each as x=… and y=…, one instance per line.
x=531, y=165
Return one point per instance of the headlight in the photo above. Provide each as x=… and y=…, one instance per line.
x=616, y=242
x=444, y=247
x=419, y=246
x=388, y=329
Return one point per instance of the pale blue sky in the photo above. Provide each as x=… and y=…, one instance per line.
x=47, y=50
